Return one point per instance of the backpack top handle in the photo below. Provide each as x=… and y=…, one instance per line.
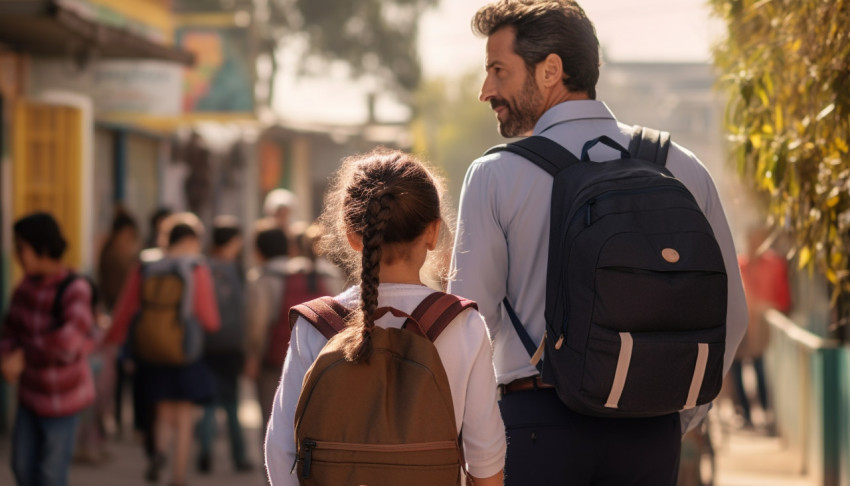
x=604, y=140
x=649, y=144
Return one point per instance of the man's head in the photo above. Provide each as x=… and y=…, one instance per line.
x=539, y=53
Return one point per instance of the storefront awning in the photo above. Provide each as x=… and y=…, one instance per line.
x=49, y=27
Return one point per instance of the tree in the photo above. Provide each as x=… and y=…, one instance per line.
x=786, y=66
x=451, y=127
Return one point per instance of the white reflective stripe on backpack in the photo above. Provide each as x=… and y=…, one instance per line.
x=699, y=375
x=626, y=346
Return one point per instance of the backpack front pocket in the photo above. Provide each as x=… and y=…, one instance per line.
x=330, y=463
x=652, y=373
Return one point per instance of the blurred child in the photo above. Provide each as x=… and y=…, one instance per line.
x=176, y=289
x=223, y=350
x=45, y=345
x=264, y=301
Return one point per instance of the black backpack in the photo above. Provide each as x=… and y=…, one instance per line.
x=56, y=309
x=636, y=285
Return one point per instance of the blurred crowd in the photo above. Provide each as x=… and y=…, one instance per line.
x=227, y=295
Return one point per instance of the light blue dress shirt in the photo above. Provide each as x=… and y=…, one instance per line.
x=502, y=242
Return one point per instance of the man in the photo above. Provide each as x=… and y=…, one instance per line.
x=542, y=67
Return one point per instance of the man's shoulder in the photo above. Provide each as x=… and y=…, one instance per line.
x=497, y=166
x=496, y=156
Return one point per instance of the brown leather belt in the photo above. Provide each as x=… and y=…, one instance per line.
x=527, y=383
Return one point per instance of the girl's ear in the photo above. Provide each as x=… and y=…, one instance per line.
x=355, y=241
x=432, y=234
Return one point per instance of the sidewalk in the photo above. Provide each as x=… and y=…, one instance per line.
x=743, y=458
x=128, y=462
x=748, y=458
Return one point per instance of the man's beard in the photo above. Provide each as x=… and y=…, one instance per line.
x=522, y=114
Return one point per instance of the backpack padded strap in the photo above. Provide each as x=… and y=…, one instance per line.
x=649, y=144
x=437, y=311
x=56, y=309
x=541, y=151
x=325, y=314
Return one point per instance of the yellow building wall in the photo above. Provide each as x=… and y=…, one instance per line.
x=47, y=168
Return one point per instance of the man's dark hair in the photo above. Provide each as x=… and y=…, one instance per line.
x=42, y=233
x=225, y=228
x=546, y=27
x=181, y=232
x=272, y=243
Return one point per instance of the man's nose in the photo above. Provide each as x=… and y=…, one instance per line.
x=487, y=92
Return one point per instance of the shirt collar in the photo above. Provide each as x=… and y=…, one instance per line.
x=571, y=111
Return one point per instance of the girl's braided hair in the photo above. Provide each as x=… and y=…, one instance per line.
x=387, y=198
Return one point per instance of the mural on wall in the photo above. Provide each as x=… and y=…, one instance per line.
x=221, y=79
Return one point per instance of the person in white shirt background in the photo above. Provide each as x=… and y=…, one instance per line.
x=385, y=211
x=542, y=67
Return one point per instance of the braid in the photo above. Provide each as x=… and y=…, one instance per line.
x=378, y=213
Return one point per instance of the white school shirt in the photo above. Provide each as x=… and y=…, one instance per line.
x=502, y=242
x=465, y=352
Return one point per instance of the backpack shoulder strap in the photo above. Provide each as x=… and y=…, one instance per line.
x=325, y=314
x=649, y=144
x=56, y=309
x=437, y=311
x=541, y=151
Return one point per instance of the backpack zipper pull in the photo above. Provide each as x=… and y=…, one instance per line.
x=309, y=445
x=559, y=342
x=590, y=204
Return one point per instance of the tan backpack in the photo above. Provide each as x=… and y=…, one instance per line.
x=388, y=421
x=163, y=333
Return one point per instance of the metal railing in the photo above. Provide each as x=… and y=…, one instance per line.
x=803, y=372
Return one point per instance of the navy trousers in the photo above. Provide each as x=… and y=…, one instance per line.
x=548, y=444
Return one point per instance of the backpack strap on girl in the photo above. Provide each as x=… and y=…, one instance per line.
x=325, y=314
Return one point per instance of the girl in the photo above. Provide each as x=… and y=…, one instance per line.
x=175, y=390
x=47, y=336
x=383, y=216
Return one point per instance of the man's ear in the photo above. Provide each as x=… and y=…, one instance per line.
x=355, y=241
x=550, y=71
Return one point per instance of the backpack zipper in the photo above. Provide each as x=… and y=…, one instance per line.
x=589, y=205
x=619, y=192
x=308, y=445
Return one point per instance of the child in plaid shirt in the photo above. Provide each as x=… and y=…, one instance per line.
x=45, y=350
